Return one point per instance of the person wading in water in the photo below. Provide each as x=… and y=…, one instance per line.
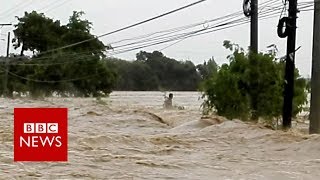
x=168, y=101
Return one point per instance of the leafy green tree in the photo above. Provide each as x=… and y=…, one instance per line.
x=251, y=85
x=79, y=30
x=172, y=74
x=134, y=75
x=154, y=71
x=224, y=94
x=36, y=32
x=207, y=69
x=67, y=72
x=14, y=84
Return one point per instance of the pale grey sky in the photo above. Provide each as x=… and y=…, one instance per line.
x=108, y=15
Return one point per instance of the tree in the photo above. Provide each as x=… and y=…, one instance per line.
x=224, y=94
x=134, y=75
x=69, y=73
x=79, y=30
x=36, y=32
x=172, y=74
x=155, y=71
x=207, y=69
x=251, y=86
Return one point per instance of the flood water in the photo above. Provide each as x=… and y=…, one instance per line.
x=130, y=136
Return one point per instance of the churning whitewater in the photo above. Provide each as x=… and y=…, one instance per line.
x=130, y=136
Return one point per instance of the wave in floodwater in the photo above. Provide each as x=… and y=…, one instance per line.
x=132, y=137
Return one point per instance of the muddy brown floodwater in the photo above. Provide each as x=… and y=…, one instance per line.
x=132, y=137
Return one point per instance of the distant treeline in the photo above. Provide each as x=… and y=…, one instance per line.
x=154, y=71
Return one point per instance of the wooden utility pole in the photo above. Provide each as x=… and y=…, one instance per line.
x=5, y=78
x=250, y=10
x=291, y=26
x=315, y=79
x=253, y=51
x=254, y=26
x=8, y=45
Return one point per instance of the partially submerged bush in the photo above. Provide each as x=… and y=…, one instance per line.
x=251, y=85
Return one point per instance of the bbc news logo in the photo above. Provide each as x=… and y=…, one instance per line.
x=40, y=134
x=41, y=128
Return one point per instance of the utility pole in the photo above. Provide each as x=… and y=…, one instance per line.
x=8, y=45
x=254, y=26
x=5, y=78
x=253, y=51
x=291, y=27
x=315, y=79
x=250, y=9
x=5, y=24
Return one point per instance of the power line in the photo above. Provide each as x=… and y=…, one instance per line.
x=142, y=22
x=15, y=8
x=179, y=29
x=187, y=34
x=236, y=23
x=222, y=19
x=172, y=44
x=72, y=54
x=236, y=14
x=151, y=39
x=127, y=27
x=265, y=14
x=58, y=5
x=49, y=5
x=163, y=39
x=233, y=15
x=169, y=31
x=233, y=23
x=191, y=34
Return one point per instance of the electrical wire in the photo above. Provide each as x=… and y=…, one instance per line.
x=178, y=38
x=184, y=36
x=175, y=37
x=233, y=23
x=16, y=6
x=265, y=16
x=13, y=10
x=57, y=6
x=48, y=5
x=127, y=27
x=147, y=40
x=236, y=14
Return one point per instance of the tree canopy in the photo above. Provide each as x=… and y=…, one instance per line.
x=79, y=71
x=154, y=71
x=251, y=85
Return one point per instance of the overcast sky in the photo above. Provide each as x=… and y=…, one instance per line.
x=108, y=15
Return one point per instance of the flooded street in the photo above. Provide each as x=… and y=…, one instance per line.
x=130, y=136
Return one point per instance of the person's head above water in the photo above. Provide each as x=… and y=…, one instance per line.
x=170, y=95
